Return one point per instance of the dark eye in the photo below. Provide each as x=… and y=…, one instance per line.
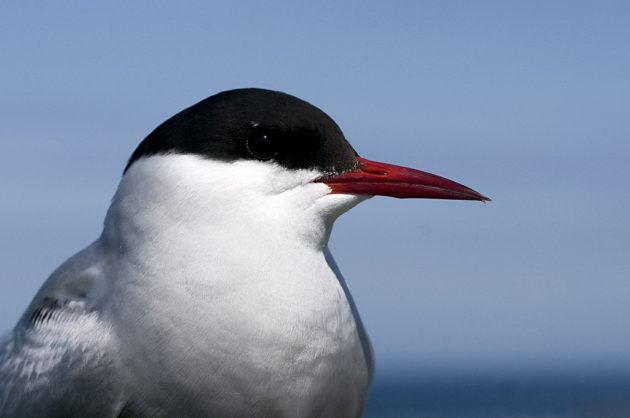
x=262, y=146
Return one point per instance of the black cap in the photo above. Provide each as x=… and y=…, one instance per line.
x=254, y=124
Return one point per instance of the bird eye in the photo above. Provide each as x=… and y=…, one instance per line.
x=262, y=146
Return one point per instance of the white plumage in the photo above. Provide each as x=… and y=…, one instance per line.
x=209, y=293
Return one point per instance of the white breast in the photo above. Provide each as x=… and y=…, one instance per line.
x=222, y=297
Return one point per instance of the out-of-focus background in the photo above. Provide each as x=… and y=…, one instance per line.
x=526, y=102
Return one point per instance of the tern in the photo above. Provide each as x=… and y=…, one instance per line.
x=211, y=291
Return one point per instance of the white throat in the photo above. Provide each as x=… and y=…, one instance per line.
x=258, y=201
x=239, y=249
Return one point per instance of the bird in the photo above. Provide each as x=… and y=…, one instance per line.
x=211, y=291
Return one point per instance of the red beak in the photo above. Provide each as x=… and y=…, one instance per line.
x=374, y=178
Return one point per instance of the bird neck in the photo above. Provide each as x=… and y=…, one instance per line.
x=192, y=201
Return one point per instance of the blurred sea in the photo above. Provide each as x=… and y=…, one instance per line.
x=505, y=397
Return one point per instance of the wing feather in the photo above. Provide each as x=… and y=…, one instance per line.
x=59, y=355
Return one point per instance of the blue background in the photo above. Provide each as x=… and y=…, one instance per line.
x=526, y=102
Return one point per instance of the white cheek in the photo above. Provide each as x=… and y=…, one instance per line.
x=192, y=186
x=334, y=205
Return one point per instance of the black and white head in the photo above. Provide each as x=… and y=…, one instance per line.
x=255, y=155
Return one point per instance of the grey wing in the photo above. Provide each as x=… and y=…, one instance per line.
x=58, y=362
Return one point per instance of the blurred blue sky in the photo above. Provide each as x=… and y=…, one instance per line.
x=526, y=102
